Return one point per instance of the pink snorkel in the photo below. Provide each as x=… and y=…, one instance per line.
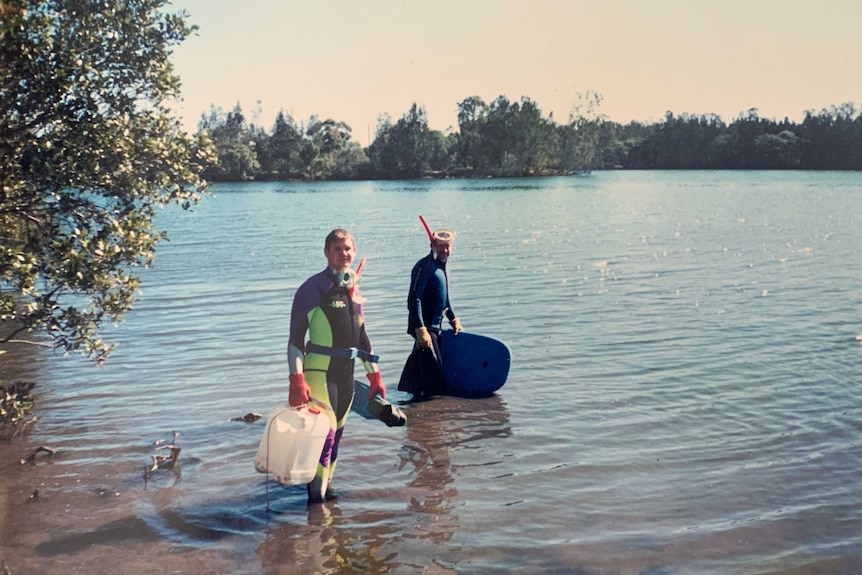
x=354, y=289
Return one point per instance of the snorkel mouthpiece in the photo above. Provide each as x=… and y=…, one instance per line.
x=347, y=278
x=352, y=280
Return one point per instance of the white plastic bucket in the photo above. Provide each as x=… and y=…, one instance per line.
x=292, y=443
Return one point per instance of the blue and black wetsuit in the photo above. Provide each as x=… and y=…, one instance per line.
x=335, y=326
x=427, y=305
x=428, y=299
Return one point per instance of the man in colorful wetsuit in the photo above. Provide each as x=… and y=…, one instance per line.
x=427, y=304
x=327, y=308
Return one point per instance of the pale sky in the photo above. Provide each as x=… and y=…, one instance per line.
x=353, y=60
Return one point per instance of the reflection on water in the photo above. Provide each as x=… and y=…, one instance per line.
x=399, y=529
x=439, y=428
x=329, y=542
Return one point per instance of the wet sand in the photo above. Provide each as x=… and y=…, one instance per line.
x=91, y=530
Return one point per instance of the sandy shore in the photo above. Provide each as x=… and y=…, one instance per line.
x=70, y=528
x=10, y=456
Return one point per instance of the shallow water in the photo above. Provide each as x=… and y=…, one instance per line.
x=684, y=395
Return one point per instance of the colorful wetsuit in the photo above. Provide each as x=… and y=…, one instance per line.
x=335, y=326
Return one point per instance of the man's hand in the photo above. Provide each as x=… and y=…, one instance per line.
x=423, y=338
x=298, y=393
x=456, y=325
x=375, y=378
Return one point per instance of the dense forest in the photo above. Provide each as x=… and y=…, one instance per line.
x=504, y=139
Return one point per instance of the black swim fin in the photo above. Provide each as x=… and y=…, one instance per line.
x=386, y=412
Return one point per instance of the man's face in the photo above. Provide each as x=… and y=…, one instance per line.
x=442, y=249
x=340, y=254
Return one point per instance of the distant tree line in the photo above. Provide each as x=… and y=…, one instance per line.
x=506, y=138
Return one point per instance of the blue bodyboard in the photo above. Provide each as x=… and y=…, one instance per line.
x=474, y=364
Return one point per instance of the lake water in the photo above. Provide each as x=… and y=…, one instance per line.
x=684, y=396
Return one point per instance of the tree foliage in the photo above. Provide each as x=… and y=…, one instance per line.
x=408, y=149
x=16, y=406
x=89, y=148
x=281, y=154
x=234, y=143
x=330, y=151
x=324, y=149
x=582, y=139
x=505, y=138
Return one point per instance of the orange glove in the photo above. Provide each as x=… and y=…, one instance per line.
x=456, y=325
x=376, y=380
x=299, y=393
x=423, y=338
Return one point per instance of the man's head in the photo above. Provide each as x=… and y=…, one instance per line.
x=441, y=244
x=339, y=249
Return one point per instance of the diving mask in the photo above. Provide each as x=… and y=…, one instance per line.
x=444, y=235
x=348, y=279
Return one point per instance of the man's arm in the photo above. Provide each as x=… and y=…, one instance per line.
x=414, y=299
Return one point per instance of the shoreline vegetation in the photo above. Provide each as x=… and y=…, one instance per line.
x=514, y=139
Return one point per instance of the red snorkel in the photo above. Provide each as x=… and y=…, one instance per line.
x=427, y=229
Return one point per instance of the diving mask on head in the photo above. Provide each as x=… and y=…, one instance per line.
x=443, y=235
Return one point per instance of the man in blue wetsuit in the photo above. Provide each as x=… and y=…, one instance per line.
x=427, y=304
x=327, y=308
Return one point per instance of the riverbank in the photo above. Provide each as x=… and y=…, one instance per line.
x=4, y=510
x=79, y=521
x=10, y=494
